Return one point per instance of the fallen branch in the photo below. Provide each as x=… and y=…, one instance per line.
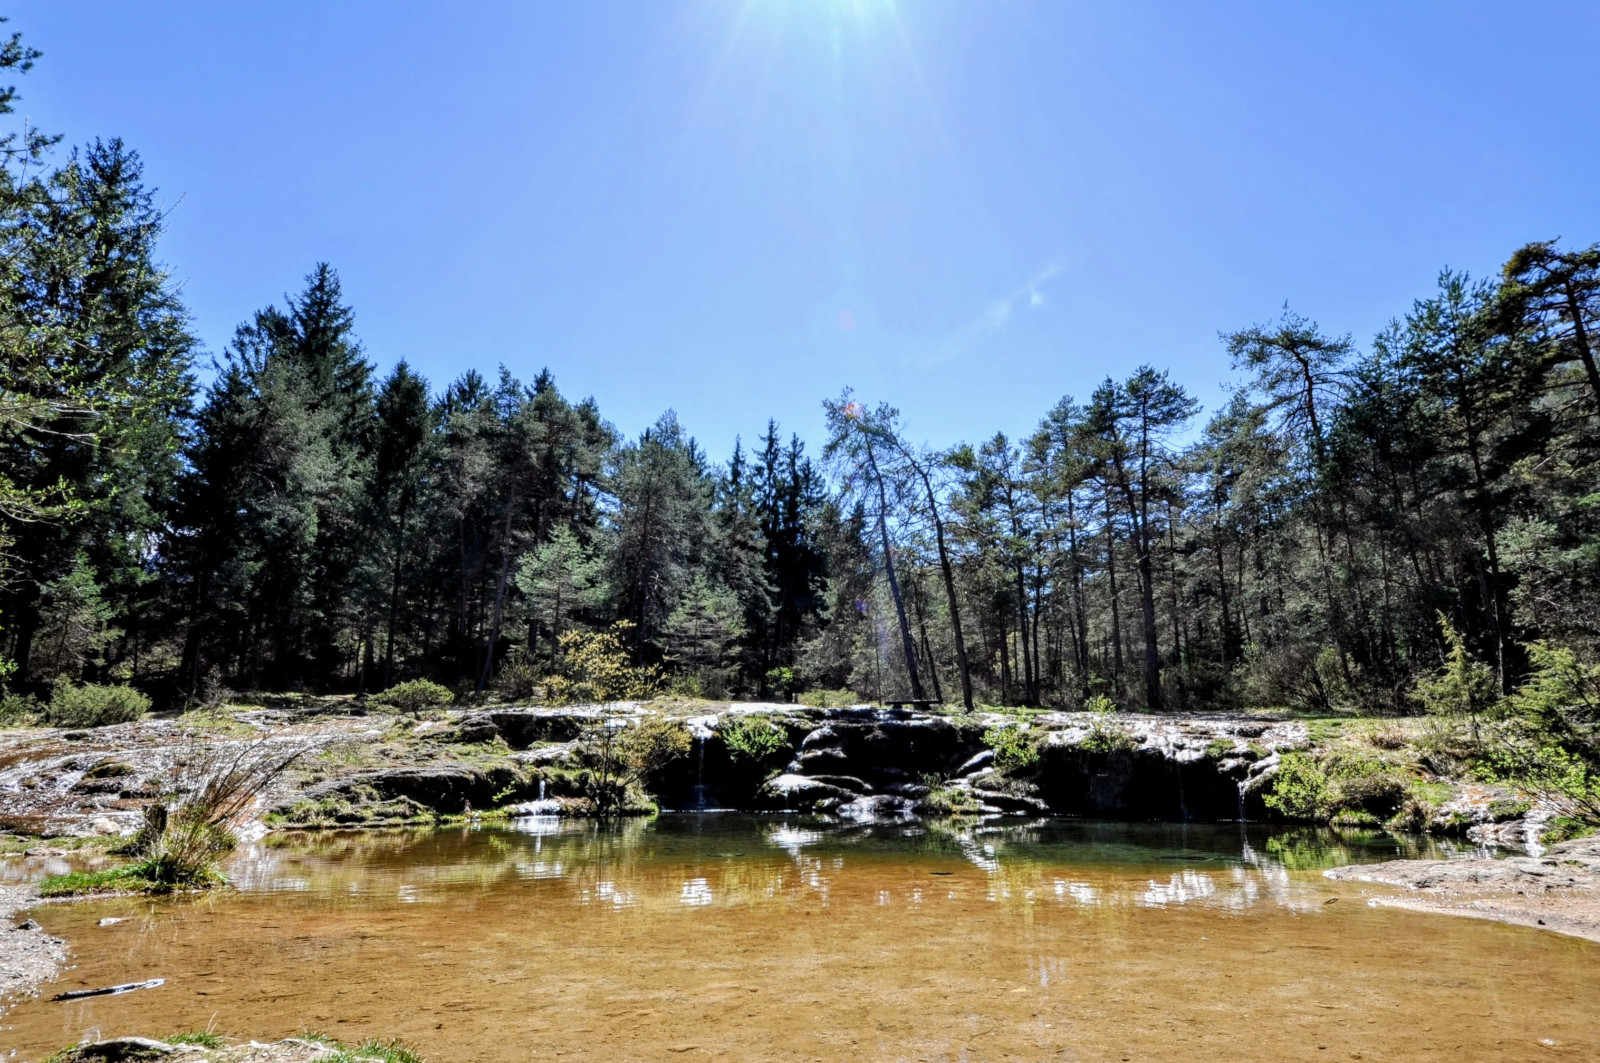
x=109, y=991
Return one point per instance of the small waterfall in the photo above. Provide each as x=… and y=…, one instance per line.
x=541, y=788
x=699, y=772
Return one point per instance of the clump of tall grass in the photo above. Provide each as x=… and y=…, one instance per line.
x=180, y=847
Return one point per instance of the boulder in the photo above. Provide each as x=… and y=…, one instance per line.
x=799, y=791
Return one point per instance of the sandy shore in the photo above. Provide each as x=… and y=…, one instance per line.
x=1558, y=891
x=28, y=956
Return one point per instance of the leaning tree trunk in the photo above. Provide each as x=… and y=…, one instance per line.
x=906, y=642
x=950, y=593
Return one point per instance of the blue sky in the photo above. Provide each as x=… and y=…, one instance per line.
x=737, y=208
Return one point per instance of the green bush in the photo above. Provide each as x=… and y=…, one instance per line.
x=17, y=710
x=416, y=696
x=1299, y=789
x=752, y=738
x=93, y=706
x=1012, y=747
x=829, y=699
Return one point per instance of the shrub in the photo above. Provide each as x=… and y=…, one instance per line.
x=626, y=756
x=517, y=675
x=752, y=738
x=93, y=706
x=416, y=696
x=596, y=668
x=178, y=849
x=1299, y=788
x=16, y=710
x=1463, y=688
x=1100, y=705
x=1012, y=747
x=781, y=681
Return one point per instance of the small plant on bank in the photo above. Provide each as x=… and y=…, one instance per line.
x=1299, y=789
x=180, y=848
x=416, y=696
x=203, y=1038
x=1013, y=749
x=92, y=705
x=752, y=738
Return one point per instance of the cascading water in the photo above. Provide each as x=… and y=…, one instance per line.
x=700, y=772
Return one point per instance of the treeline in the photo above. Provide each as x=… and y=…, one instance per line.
x=305, y=521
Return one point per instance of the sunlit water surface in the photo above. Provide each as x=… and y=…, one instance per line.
x=749, y=938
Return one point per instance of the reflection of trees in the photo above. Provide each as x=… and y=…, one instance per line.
x=755, y=860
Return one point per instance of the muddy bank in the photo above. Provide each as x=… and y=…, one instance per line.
x=28, y=956
x=1557, y=891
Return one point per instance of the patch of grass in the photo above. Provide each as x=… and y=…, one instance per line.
x=1566, y=828
x=16, y=844
x=203, y=1038
x=129, y=878
x=382, y=1051
x=830, y=699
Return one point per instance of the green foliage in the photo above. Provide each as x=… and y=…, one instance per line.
x=700, y=634
x=1464, y=689
x=560, y=579
x=830, y=699
x=141, y=876
x=93, y=706
x=1100, y=705
x=203, y=1038
x=752, y=738
x=782, y=681
x=1546, y=740
x=1299, y=789
x=1013, y=748
x=626, y=756
x=416, y=696
x=596, y=668
x=17, y=710
x=380, y=1051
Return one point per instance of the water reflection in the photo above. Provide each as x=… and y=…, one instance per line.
x=738, y=859
x=698, y=935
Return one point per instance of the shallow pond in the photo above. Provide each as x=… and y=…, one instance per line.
x=749, y=938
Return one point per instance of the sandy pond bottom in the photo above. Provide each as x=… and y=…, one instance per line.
x=749, y=938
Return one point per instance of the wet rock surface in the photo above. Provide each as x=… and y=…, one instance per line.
x=1558, y=890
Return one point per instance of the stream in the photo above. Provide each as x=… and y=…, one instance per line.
x=741, y=937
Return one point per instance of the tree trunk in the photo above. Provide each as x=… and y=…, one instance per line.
x=906, y=643
x=499, y=595
x=950, y=594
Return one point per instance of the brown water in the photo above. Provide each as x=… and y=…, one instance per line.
x=740, y=938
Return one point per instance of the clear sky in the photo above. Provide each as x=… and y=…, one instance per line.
x=737, y=208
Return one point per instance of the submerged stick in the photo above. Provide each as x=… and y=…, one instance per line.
x=110, y=990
